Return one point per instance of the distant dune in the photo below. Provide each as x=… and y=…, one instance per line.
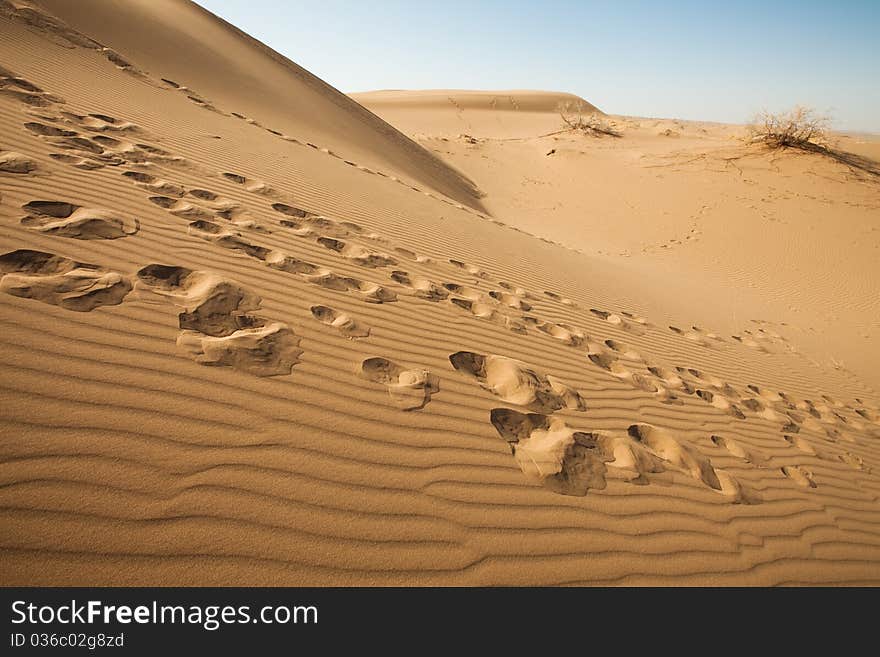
x=252, y=334
x=502, y=114
x=459, y=100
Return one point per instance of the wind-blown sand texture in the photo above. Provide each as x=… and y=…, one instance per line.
x=253, y=335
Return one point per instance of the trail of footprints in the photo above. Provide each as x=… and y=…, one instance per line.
x=205, y=210
x=218, y=327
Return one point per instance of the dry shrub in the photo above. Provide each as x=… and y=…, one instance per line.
x=579, y=117
x=803, y=129
x=800, y=127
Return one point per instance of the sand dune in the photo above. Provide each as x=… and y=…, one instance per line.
x=178, y=45
x=499, y=114
x=253, y=335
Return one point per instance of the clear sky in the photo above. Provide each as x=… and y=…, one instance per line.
x=718, y=61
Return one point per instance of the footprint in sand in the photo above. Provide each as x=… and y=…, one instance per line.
x=84, y=163
x=623, y=349
x=420, y=287
x=103, y=123
x=227, y=239
x=765, y=393
x=617, y=320
x=569, y=335
x=469, y=293
x=287, y=263
x=409, y=389
x=566, y=461
x=369, y=292
x=341, y=322
x=224, y=207
x=799, y=475
x=359, y=254
x=43, y=130
x=760, y=408
x=153, y=184
x=510, y=300
x=609, y=362
x=698, y=335
x=304, y=222
x=298, y=228
x=517, y=383
x=799, y=443
x=470, y=269
x=689, y=460
x=261, y=188
x=853, y=461
x=238, y=179
x=667, y=448
x=79, y=146
x=833, y=402
x=63, y=219
x=291, y=211
x=96, y=151
x=515, y=290
x=736, y=449
x=636, y=319
x=670, y=379
x=12, y=162
x=405, y=253
x=181, y=208
x=721, y=403
x=60, y=281
x=572, y=462
x=749, y=341
x=558, y=297
x=793, y=424
x=489, y=312
x=25, y=91
x=215, y=327
x=121, y=63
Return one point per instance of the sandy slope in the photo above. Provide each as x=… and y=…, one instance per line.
x=783, y=237
x=229, y=357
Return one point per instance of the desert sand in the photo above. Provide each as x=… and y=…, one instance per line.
x=258, y=332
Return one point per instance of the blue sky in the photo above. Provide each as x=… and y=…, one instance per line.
x=691, y=60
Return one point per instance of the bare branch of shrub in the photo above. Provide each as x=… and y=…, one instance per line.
x=576, y=116
x=803, y=129
x=799, y=127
